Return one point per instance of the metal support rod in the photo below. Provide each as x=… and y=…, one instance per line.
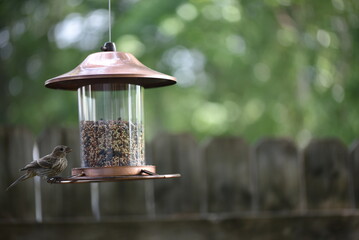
x=38, y=202
x=109, y=20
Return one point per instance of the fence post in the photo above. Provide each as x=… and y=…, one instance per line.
x=326, y=174
x=227, y=171
x=277, y=171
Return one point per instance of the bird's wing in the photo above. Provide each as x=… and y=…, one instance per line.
x=31, y=165
x=47, y=162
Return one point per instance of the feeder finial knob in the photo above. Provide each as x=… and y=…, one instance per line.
x=109, y=47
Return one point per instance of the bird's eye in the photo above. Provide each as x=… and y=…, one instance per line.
x=61, y=149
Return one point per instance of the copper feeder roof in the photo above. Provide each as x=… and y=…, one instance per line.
x=110, y=67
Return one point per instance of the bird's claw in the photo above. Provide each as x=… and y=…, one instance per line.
x=54, y=179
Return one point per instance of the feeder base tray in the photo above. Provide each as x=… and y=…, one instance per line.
x=112, y=174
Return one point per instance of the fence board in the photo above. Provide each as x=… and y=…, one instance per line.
x=354, y=167
x=227, y=170
x=53, y=202
x=276, y=161
x=326, y=174
x=18, y=202
x=125, y=198
x=5, y=178
x=149, y=185
x=78, y=196
x=177, y=154
x=70, y=200
x=122, y=199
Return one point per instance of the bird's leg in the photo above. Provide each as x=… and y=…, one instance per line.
x=54, y=179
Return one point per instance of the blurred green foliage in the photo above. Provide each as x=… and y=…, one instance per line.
x=249, y=68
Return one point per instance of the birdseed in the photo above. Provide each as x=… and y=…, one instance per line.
x=111, y=143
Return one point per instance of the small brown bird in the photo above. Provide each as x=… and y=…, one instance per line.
x=48, y=166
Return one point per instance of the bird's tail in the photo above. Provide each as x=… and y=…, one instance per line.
x=20, y=179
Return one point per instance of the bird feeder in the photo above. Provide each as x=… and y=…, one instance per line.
x=110, y=88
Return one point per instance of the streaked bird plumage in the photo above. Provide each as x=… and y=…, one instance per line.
x=48, y=166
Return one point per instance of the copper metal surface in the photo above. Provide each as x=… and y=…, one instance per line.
x=112, y=171
x=110, y=67
x=144, y=174
x=113, y=179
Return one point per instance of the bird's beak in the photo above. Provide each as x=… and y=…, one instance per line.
x=68, y=150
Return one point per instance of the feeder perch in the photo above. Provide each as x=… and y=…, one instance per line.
x=110, y=89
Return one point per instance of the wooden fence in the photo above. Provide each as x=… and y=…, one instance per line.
x=224, y=176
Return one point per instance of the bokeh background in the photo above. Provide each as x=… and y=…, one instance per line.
x=262, y=125
x=244, y=68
